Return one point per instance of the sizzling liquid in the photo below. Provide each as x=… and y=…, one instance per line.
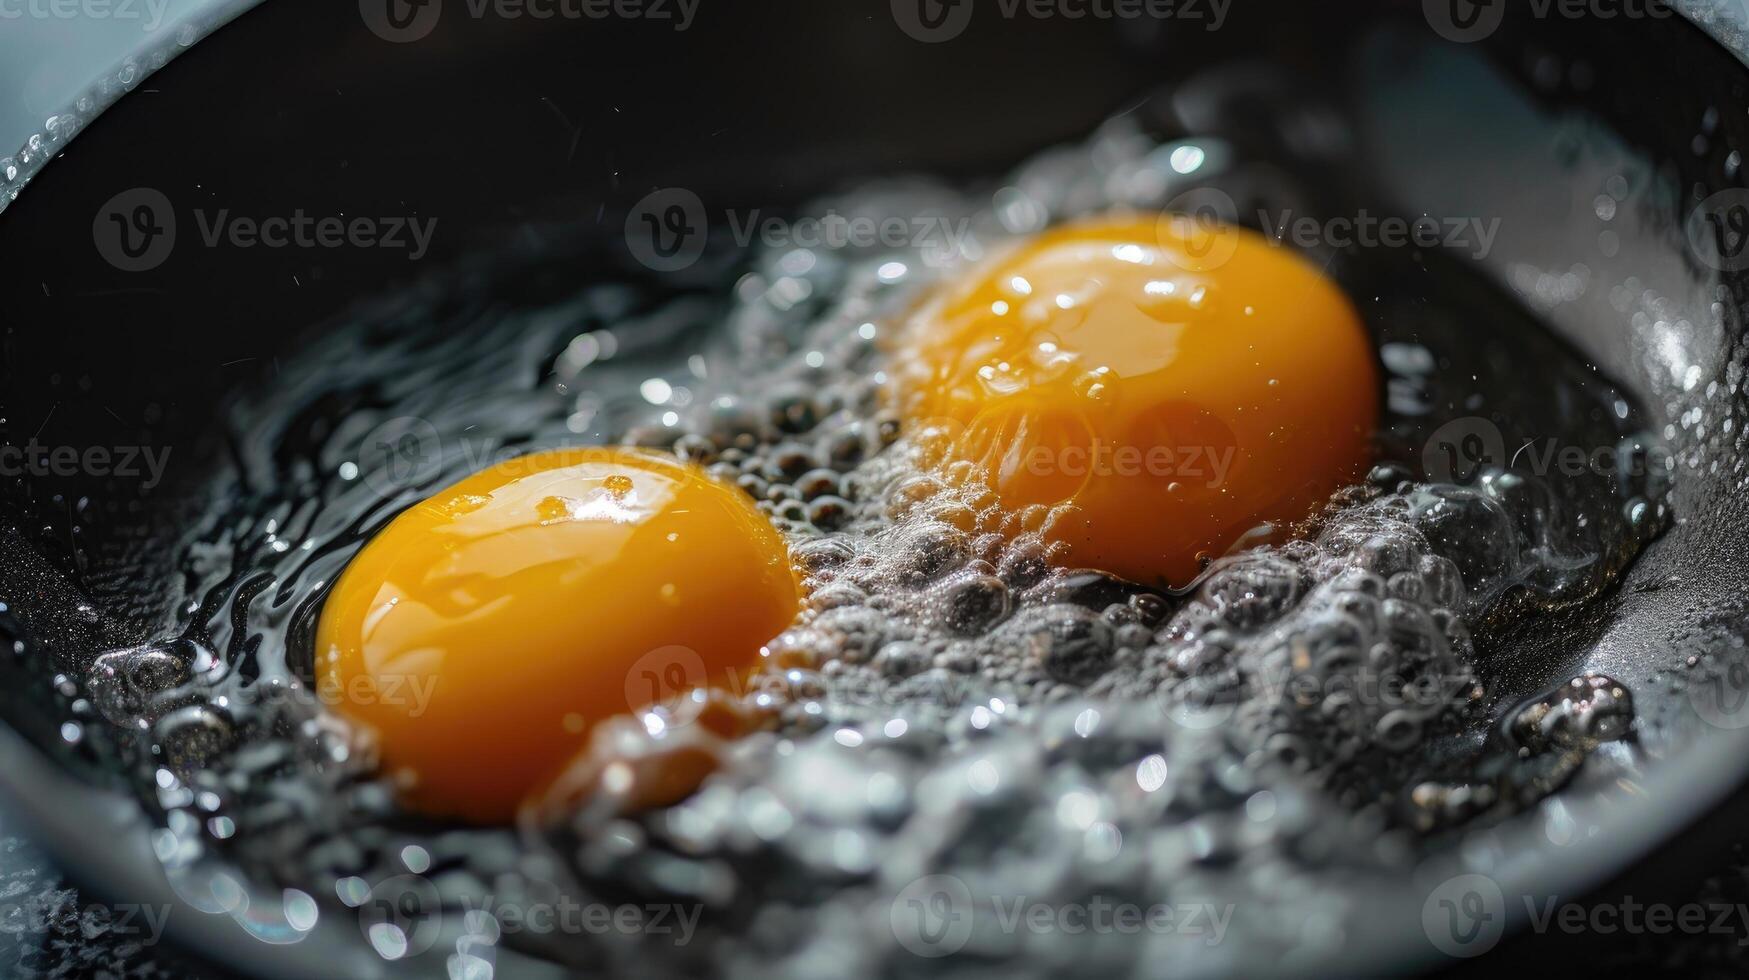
x=948, y=702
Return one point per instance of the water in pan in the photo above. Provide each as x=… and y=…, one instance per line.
x=959, y=726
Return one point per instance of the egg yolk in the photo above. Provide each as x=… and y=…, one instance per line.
x=1177, y=384
x=483, y=633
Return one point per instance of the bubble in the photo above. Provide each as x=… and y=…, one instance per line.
x=1250, y=594
x=1582, y=713
x=191, y=738
x=128, y=684
x=972, y=603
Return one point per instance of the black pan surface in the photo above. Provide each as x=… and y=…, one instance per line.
x=529, y=138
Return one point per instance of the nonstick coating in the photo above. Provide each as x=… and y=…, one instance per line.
x=532, y=136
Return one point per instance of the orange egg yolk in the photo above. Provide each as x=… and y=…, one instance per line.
x=1176, y=384
x=483, y=633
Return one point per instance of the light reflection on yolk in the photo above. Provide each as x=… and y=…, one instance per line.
x=1178, y=384
x=483, y=633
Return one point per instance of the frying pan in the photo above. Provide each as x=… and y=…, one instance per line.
x=525, y=138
